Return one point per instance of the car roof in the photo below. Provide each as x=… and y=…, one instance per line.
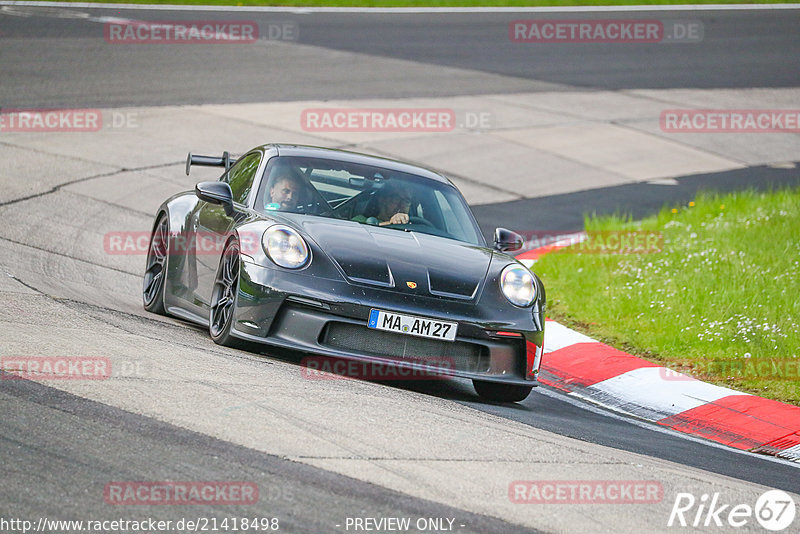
x=354, y=157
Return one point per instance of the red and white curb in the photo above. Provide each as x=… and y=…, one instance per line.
x=593, y=371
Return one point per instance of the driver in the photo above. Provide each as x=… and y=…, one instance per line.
x=285, y=192
x=393, y=201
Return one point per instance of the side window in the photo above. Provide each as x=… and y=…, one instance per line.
x=241, y=176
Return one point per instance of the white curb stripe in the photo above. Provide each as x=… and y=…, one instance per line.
x=792, y=453
x=558, y=336
x=646, y=393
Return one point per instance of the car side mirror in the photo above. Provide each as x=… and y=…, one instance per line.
x=507, y=241
x=216, y=193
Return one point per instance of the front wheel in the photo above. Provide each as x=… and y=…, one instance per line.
x=499, y=392
x=156, y=269
x=223, y=298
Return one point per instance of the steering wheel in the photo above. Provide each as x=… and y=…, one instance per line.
x=419, y=220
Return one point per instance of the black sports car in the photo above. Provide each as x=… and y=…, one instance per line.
x=348, y=256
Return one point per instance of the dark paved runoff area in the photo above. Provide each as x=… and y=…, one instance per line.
x=565, y=213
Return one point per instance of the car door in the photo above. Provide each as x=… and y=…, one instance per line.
x=213, y=226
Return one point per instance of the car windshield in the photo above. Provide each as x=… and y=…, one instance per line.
x=367, y=195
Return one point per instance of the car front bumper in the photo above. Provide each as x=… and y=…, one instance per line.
x=329, y=318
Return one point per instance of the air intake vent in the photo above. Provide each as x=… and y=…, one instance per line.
x=456, y=355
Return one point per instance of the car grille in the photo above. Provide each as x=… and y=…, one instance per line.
x=359, y=339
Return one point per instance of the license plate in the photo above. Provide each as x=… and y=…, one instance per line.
x=411, y=325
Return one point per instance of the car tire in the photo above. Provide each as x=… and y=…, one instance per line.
x=501, y=392
x=223, y=298
x=155, y=270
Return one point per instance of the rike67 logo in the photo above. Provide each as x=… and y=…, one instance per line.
x=774, y=510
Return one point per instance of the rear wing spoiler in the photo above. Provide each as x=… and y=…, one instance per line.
x=209, y=161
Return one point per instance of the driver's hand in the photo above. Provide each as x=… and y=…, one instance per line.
x=399, y=218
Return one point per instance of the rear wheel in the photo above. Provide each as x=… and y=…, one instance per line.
x=223, y=298
x=156, y=269
x=499, y=392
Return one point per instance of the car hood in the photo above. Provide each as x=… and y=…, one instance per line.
x=408, y=262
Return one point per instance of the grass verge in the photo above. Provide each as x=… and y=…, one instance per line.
x=720, y=301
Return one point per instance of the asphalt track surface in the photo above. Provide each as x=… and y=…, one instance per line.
x=63, y=469
x=740, y=49
x=61, y=443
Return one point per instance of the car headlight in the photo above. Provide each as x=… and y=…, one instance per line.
x=285, y=246
x=518, y=285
